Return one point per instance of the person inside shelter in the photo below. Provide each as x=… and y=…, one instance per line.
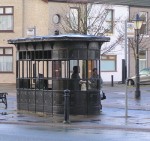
x=95, y=80
x=75, y=77
x=77, y=83
x=96, y=83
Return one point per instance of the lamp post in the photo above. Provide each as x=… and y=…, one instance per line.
x=137, y=26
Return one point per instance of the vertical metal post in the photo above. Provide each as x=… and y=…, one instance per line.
x=34, y=30
x=137, y=26
x=137, y=82
x=126, y=91
x=126, y=51
x=66, y=106
x=126, y=100
x=112, y=81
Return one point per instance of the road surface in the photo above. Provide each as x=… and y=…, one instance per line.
x=11, y=132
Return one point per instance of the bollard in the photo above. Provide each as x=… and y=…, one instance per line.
x=66, y=105
x=112, y=81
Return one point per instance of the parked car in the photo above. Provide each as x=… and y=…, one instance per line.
x=144, y=77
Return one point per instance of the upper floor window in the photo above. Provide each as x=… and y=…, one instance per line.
x=109, y=21
x=6, y=18
x=142, y=59
x=74, y=18
x=108, y=63
x=144, y=17
x=6, y=59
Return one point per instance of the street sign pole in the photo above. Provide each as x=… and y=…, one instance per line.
x=126, y=92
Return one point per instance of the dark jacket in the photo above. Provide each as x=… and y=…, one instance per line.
x=75, y=79
x=96, y=82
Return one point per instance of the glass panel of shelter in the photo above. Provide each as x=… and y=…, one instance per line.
x=36, y=69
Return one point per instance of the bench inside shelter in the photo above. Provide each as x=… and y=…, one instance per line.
x=3, y=98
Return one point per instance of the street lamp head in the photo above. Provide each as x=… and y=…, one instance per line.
x=137, y=22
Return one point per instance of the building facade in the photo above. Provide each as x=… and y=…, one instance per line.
x=143, y=9
x=144, y=47
x=19, y=18
x=23, y=18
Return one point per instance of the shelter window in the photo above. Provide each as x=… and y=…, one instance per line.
x=6, y=59
x=6, y=18
x=73, y=63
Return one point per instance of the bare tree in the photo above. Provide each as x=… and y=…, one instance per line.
x=143, y=41
x=91, y=21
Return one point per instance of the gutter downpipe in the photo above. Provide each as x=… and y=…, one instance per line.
x=23, y=17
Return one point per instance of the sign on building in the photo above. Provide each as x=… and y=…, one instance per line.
x=31, y=31
x=130, y=30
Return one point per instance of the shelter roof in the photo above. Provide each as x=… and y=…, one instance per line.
x=61, y=37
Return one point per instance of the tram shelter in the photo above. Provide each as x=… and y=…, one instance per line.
x=44, y=67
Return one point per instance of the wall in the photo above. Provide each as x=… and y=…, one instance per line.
x=27, y=13
x=10, y=77
x=63, y=10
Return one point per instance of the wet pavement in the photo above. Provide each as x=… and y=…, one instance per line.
x=13, y=132
x=113, y=115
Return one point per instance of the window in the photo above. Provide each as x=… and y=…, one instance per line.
x=142, y=59
x=6, y=18
x=144, y=28
x=74, y=18
x=108, y=63
x=6, y=59
x=73, y=63
x=109, y=21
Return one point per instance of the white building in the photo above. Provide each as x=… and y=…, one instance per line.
x=111, y=61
